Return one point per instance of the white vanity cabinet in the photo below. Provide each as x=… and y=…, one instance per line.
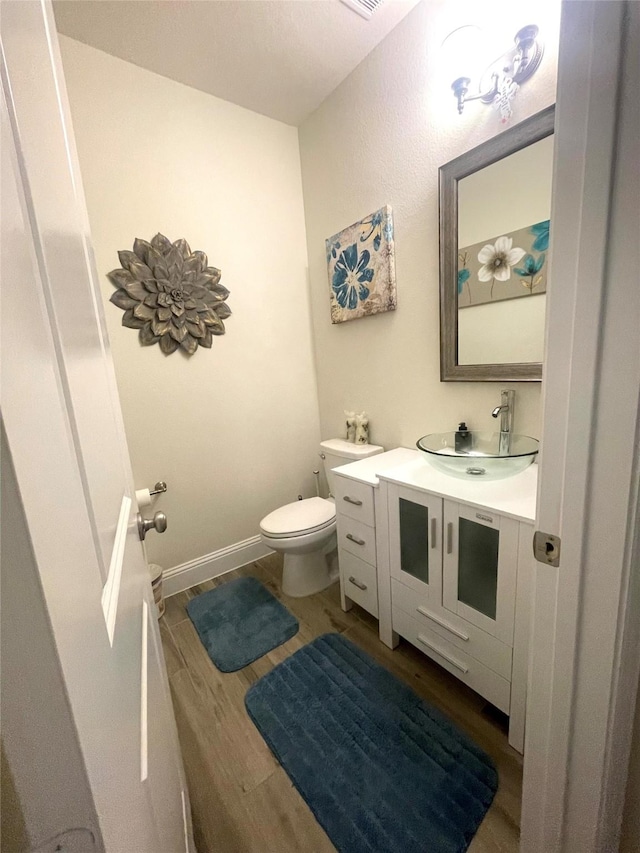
x=453, y=586
x=459, y=559
x=451, y=561
x=360, y=518
x=355, y=517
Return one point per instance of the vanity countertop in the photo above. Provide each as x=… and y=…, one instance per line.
x=514, y=497
x=367, y=470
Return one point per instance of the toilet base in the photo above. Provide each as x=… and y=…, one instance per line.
x=307, y=574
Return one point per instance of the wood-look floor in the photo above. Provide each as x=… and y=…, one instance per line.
x=242, y=800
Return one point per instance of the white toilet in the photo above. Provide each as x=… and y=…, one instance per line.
x=305, y=531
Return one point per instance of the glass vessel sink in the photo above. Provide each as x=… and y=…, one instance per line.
x=488, y=455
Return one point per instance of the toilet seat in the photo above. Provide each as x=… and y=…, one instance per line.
x=299, y=518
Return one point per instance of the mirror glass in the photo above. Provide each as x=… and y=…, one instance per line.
x=503, y=241
x=495, y=209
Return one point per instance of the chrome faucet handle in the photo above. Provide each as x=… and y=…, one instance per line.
x=506, y=403
x=505, y=410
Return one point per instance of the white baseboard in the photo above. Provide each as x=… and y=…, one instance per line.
x=212, y=565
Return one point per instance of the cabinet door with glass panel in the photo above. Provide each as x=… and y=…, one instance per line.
x=415, y=540
x=480, y=568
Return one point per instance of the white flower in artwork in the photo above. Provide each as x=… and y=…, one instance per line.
x=497, y=260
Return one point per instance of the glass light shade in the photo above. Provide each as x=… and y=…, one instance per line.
x=463, y=54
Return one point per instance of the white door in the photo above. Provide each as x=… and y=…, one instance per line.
x=66, y=438
x=479, y=568
x=585, y=644
x=415, y=541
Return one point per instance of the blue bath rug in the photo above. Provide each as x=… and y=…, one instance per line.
x=240, y=622
x=382, y=771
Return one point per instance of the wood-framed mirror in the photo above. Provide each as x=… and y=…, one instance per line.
x=495, y=208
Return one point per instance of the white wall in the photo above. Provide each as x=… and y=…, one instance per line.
x=380, y=139
x=234, y=429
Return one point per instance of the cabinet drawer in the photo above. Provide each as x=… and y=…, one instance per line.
x=354, y=499
x=472, y=672
x=358, y=538
x=356, y=574
x=467, y=637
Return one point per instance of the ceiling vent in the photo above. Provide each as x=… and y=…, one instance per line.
x=364, y=8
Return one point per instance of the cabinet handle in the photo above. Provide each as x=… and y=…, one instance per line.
x=452, y=661
x=484, y=517
x=442, y=623
x=433, y=532
x=355, y=539
x=449, y=537
x=357, y=583
x=352, y=501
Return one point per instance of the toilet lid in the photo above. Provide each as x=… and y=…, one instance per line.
x=299, y=517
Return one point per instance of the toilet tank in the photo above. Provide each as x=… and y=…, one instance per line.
x=338, y=451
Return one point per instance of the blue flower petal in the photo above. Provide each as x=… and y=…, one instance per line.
x=341, y=294
x=353, y=298
x=463, y=275
x=364, y=260
x=376, y=241
x=363, y=292
x=349, y=257
x=528, y=262
x=340, y=264
x=339, y=276
x=366, y=275
x=541, y=230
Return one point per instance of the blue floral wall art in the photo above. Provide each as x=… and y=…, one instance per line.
x=361, y=265
x=505, y=267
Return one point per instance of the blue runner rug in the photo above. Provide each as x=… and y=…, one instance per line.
x=240, y=622
x=382, y=771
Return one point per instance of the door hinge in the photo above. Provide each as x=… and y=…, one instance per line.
x=546, y=548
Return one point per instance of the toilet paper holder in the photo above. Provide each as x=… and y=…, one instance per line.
x=144, y=497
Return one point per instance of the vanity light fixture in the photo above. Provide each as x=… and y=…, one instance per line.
x=502, y=78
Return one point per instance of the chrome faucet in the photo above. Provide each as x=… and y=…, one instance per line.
x=505, y=410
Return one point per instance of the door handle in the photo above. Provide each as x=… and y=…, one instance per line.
x=357, y=583
x=353, y=538
x=449, y=537
x=158, y=523
x=433, y=532
x=352, y=501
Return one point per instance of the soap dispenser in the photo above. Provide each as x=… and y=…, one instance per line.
x=463, y=439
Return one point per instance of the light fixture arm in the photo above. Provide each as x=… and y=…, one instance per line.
x=507, y=72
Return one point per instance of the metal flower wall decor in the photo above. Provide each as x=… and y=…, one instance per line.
x=170, y=294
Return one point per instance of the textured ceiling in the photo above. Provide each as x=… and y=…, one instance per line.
x=281, y=58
